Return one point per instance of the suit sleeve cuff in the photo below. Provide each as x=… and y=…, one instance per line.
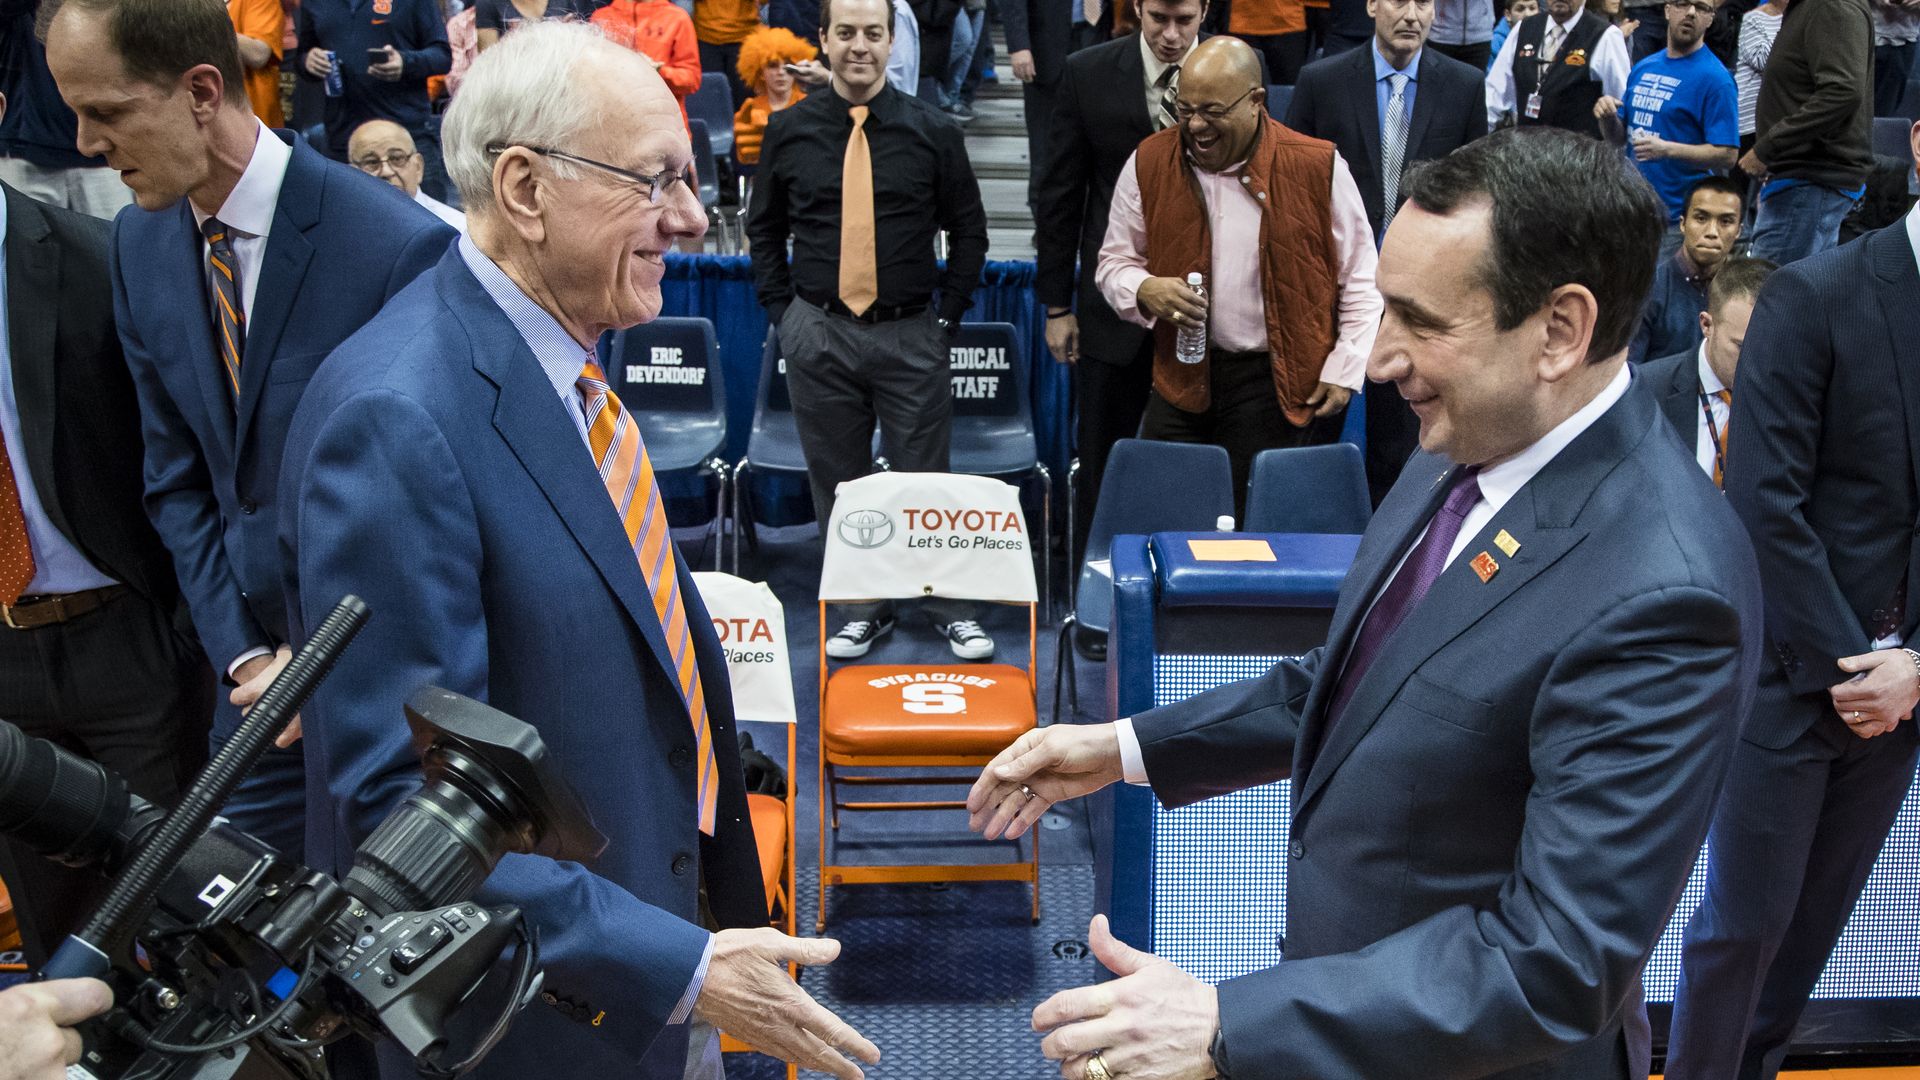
x=684, y=1009
x=1133, y=764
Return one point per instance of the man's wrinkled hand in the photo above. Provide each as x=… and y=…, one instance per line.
x=749, y=995
x=1063, y=337
x=1883, y=691
x=254, y=677
x=1044, y=766
x=1169, y=298
x=1154, y=1022
x=1328, y=399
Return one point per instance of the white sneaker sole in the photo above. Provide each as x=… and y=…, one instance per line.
x=839, y=649
x=972, y=652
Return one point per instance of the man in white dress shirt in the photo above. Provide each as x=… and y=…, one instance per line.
x=383, y=148
x=1279, y=233
x=1555, y=66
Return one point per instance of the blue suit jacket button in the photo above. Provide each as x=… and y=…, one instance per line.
x=681, y=757
x=682, y=864
x=248, y=506
x=1298, y=850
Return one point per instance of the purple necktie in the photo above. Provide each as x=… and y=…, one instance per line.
x=1408, y=587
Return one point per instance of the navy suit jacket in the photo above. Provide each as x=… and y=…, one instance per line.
x=1822, y=454
x=1335, y=100
x=1675, y=381
x=435, y=473
x=1486, y=848
x=341, y=244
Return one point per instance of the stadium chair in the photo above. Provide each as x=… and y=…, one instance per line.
x=773, y=445
x=887, y=720
x=1313, y=489
x=713, y=104
x=1278, y=98
x=668, y=375
x=1149, y=487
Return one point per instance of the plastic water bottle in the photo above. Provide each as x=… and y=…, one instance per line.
x=335, y=85
x=1190, y=343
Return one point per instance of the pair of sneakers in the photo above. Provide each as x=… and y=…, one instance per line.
x=964, y=637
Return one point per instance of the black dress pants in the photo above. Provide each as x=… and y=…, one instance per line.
x=115, y=685
x=1243, y=417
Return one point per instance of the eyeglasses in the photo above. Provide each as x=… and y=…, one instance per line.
x=656, y=186
x=1691, y=5
x=396, y=161
x=1184, y=112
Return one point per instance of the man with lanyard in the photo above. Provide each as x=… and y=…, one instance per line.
x=1695, y=385
x=1555, y=67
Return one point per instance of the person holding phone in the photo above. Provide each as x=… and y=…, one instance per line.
x=386, y=50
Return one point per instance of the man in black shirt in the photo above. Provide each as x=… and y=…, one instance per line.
x=862, y=179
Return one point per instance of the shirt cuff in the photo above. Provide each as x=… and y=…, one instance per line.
x=1133, y=765
x=257, y=650
x=1125, y=295
x=685, y=1009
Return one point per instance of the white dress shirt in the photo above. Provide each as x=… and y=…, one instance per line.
x=1154, y=69
x=1236, y=312
x=442, y=211
x=1710, y=385
x=1609, y=64
x=1498, y=485
x=248, y=216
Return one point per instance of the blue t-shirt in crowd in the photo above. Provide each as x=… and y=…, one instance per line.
x=1691, y=100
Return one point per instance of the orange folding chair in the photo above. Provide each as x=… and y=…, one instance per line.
x=881, y=723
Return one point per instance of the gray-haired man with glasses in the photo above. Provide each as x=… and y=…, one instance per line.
x=464, y=467
x=383, y=148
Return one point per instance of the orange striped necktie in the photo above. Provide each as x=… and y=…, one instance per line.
x=229, y=322
x=627, y=472
x=1720, y=458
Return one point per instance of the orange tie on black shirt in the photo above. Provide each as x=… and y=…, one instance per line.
x=859, y=260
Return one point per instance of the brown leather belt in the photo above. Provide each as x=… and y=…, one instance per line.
x=34, y=612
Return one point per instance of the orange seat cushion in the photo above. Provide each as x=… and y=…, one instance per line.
x=962, y=710
x=769, y=815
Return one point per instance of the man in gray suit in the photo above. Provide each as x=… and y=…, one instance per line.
x=1505, y=757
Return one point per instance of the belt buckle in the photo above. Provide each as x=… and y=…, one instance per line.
x=6, y=618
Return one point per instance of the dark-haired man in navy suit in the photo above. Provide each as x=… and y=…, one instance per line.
x=1505, y=757
x=246, y=258
x=1823, y=451
x=1385, y=108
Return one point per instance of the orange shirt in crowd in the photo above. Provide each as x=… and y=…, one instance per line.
x=750, y=123
x=1263, y=17
x=664, y=33
x=264, y=21
x=724, y=22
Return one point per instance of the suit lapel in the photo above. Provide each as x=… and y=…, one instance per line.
x=1425, y=101
x=1366, y=111
x=189, y=264
x=283, y=267
x=1680, y=398
x=1893, y=264
x=33, y=314
x=535, y=425
x=1544, y=516
x=1130, y=81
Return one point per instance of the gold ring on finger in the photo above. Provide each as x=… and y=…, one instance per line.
x=1097, y=1068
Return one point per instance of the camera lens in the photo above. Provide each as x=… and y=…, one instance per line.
x=65, y=807
x=440, y=844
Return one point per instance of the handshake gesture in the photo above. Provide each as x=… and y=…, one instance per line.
x=1154, y=1022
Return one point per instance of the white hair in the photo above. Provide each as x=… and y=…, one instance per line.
x=525, y=90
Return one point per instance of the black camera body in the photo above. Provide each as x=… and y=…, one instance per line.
x=231, y=961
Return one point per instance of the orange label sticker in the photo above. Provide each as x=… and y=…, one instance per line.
x=1231, y=550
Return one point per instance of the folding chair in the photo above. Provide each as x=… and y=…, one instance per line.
x=773, y=444
x=1311, y=489
x=669, y=376
x=886, y=720
x=1149, y=487
x=747, y=615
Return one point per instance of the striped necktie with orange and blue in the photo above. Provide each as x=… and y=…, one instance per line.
x=229, y=321
x=627, y=471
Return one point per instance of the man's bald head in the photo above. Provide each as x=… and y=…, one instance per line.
x=383, y=148
x=1220, y=102
x=1224, y=65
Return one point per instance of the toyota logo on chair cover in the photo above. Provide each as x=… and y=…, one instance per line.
x=901, y=534
x=752, y=628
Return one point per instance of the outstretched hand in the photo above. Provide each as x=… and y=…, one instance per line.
x=748, y=995
x=1042, y=767
x=1154, y=1022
